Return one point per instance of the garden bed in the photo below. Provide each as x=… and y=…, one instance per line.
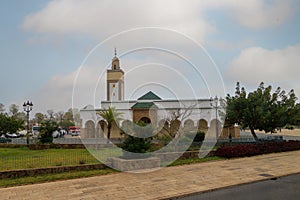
x=245, y=150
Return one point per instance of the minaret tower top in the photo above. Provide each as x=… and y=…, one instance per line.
x=115, y=80
x=115, y=66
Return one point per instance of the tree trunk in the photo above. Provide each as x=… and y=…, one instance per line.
x=108, y=132
x=254, y=134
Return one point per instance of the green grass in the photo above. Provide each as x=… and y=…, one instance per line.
x=23, y=158
x=195, y=160
x=80, y=174
x=53, y=177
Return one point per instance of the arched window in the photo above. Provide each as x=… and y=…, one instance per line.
x=146, y=120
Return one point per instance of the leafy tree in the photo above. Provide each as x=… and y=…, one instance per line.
x=110, y=116
x=51, y=114
x=10, y=124
x=46, y=130
x=68, y=116
x=21, y=116
x=260, y=109
x=76, y=116
x=65, y=124
x=296, y=116
x=60, y=115
x=13, y=109
x=39, y=117
x=2, y=108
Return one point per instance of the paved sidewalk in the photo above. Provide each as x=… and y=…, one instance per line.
x=164, y=183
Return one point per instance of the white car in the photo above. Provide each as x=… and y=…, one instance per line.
x=75, y=133
x=11, y=135
x=56, y=134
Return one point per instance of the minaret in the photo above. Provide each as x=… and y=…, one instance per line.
x=115, y=81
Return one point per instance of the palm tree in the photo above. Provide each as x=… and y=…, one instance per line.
x=110, y=116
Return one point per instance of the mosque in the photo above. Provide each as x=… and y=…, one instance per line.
x=193, y=114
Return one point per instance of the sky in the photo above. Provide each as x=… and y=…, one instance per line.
x=55, y=52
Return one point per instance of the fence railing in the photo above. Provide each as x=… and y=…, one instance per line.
x=68, y=141
x=49, y=159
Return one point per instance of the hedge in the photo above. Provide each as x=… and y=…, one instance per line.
x=245, y=150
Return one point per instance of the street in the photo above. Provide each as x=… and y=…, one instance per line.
x=282, y=188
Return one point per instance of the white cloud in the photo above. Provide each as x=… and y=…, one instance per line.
x=149, y=70
x=101, y=19
x=57, y=93
x=256, y=64
x=257, y=13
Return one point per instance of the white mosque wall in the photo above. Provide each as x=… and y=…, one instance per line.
x=201, y=109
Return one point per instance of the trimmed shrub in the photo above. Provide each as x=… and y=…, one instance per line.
x=246, y=150
x=136, y=145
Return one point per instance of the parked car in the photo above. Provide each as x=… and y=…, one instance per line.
x=5, y=140
x=75, y=133
x=12, y=135
x=22, y=133
x=56, y=134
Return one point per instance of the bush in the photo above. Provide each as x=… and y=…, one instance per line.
x=46, y=130
x=138, y=141
x=46, y=140
x=289, y=127
x=199, y=136
x=136, y=145
x=245, y=150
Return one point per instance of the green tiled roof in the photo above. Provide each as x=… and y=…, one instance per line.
x=149, y=96
x=143, y=105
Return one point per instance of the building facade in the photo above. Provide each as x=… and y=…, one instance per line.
x=191, y=115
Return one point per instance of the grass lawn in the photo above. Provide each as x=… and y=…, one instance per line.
x=195, y=160
x=52, y=177
x=80, y=174
x=23, y=158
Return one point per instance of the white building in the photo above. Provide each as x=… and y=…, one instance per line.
x=195, y=114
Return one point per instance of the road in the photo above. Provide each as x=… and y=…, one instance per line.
x=282, y=188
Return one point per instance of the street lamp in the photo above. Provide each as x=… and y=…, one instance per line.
x=27, y=106
x=215, y=106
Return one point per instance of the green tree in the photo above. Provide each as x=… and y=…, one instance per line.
x=39, y=117
x=76, y=116
x=10, y=124
x=60, y=116
x=13, y=109
x=46, y=130
x=296, y=113
x=65, y=124
x=20, y=116
x=110, y=116
x=50, y=113
x=2, y=108
x=68, y=116
x=260, y=109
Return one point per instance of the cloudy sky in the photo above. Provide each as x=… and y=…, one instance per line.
x=55, y=52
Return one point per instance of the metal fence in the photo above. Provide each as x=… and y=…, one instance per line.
x=47, y=159
x=68, y=141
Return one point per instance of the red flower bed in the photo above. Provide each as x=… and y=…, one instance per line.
x=245, y=150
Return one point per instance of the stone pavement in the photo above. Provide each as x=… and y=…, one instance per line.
x=164, y=183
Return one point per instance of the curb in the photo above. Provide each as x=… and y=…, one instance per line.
x=227, y=187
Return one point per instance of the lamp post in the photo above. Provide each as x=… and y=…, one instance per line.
x=214, y=104
x=27, y=106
